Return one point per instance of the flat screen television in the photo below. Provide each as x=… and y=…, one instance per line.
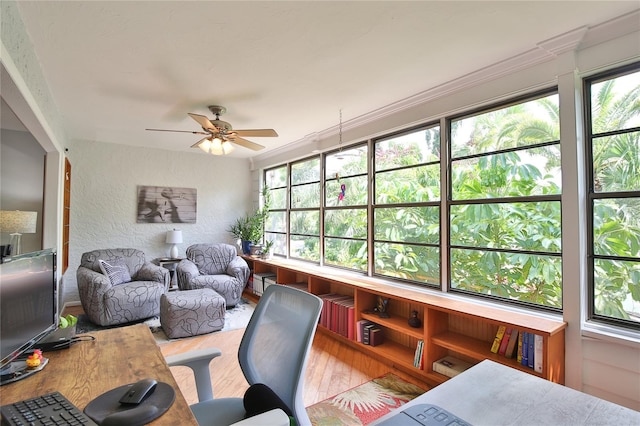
x=28, y=302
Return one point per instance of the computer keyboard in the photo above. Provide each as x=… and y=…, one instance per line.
x=424, y=415
x=50, y=409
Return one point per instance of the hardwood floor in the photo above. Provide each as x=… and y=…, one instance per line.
x=333, y=366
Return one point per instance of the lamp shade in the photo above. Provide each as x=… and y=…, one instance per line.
x=16, y=221
x=174, y=237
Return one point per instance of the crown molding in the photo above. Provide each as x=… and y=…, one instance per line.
x=546, y=50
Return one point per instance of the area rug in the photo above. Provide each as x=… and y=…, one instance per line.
x=364, y=403
x=235, y=318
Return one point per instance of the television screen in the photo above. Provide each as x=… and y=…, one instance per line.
x=28, y=302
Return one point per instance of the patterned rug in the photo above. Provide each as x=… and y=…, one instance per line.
x=235, y=318
x=365, y=403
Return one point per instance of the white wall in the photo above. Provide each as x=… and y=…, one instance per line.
x=104, y=181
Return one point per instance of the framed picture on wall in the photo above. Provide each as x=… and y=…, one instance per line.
x=163, y=204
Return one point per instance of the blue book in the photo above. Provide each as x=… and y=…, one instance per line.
x=531, y=352
x=525, y=349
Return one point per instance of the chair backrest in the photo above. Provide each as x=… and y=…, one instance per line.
x=211, y=259
x=277, y=341
x=134, y=258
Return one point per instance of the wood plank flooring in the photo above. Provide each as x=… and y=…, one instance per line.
x=333, y=366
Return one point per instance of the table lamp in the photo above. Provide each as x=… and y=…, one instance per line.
x=174, y=237
x=16, y=223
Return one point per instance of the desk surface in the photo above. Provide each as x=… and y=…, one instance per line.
x=88, y=369
x=493, y=394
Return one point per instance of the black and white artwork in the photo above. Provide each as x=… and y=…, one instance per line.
x=162, y=204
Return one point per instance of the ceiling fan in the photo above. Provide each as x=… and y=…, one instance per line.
x=220, y=135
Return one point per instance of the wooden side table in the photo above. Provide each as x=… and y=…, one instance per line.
x=169, y=263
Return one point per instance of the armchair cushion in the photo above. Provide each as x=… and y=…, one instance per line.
x=116, y=271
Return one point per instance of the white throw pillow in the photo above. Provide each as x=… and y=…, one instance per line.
x=116, y=270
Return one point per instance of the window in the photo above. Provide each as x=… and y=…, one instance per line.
x=345, y=214
x=406, y=236
x=275, y=227
x=304, y=231
x=613, y=147
x=504, y=207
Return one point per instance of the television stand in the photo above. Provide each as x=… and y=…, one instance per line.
x=17, y=370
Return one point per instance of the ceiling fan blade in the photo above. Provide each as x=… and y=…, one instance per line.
x=178, y=131
x=256, y=133
x=202, y=121
x=247, y=144
x=197, y=144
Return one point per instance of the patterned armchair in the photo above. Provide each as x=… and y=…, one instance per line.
x=214, y=266
x=118, y=286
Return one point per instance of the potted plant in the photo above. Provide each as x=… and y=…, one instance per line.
x=249, y=229
x=267, y=248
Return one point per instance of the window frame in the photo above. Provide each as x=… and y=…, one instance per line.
x=450, y=201
x=375, y=206
x=593, y=196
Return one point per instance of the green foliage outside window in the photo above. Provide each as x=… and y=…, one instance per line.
x=615, y=197
x=507, y=243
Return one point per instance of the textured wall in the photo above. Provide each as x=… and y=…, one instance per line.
x=104, y=183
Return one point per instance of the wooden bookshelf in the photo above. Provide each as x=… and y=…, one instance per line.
x=450, y=325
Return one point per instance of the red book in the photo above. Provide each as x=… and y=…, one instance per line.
x=505, y=341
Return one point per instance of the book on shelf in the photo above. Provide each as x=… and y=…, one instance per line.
x=512, y=346
x=531, y=350
x=496, y=342
x=519, y=348
x=450, y=366
x=417, y=357
x=366, y=335
x=376, y=337
x=538, y=357
x=360, y=329
x=505, y=341
x=525, y=349
x=337, y=313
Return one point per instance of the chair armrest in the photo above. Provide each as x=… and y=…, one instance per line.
x=239, y=269
x=94, y=283
x=152, y=272
x=186, y=270
x=198, y=361
x=275, y=417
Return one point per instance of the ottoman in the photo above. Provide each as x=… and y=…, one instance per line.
x=191, y=312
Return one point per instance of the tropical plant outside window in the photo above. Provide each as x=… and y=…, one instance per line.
x=406, y=236
x=503, y=195
x=613, y=144
x=505, y=224
x=345, y=215
x=275, y=226
x=304, y=214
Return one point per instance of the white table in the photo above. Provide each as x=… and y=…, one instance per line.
x=494, y=394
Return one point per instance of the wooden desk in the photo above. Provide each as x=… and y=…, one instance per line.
x=493, y=394
x=88, y=369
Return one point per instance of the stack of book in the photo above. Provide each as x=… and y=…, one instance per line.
x=369, y=333
x=526, y=347
x=418, y=359
x=337, y=314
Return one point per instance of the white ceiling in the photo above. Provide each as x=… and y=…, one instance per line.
x=115, y=68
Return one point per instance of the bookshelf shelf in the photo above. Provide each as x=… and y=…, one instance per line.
x=450, y=325
x=395, y=323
